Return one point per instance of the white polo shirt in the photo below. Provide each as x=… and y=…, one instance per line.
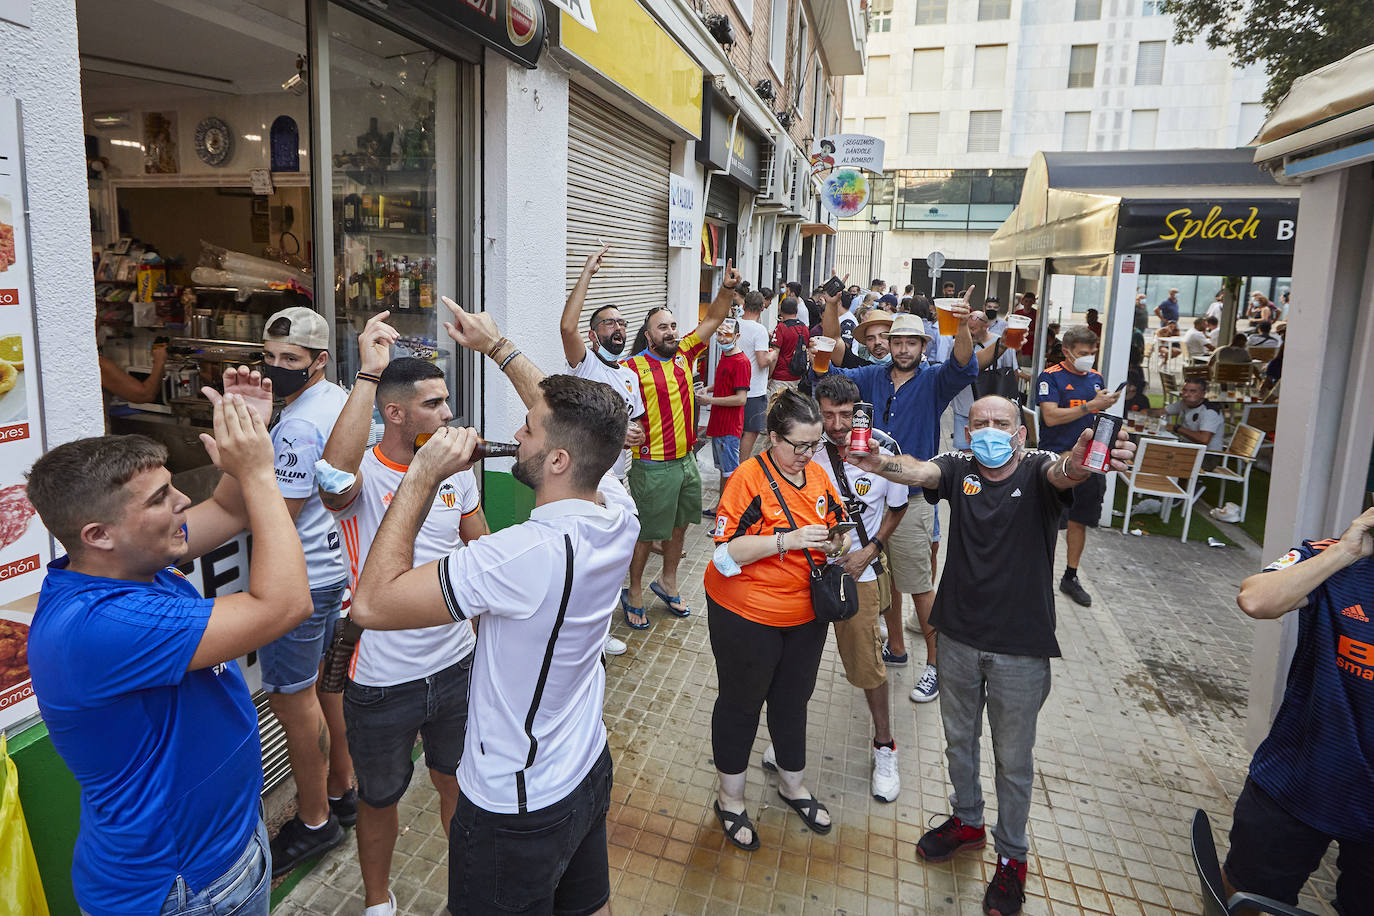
x=538, y=684
x=298, y=439
x=1201, y=419
x=877, y=494
x=625, y=383
x=384, y=658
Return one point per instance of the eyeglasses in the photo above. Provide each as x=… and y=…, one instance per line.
x=618, y=322
x=804, y=448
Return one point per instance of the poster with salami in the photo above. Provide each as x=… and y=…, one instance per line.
x=25, y=547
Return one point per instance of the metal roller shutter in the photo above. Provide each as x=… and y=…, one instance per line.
x=618, y=192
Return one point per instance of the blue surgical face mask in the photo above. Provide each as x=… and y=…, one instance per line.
x=992, y=447
x=607, y=355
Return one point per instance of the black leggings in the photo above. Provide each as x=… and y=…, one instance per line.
x=757, y=663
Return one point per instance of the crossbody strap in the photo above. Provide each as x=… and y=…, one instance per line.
x=843, y=480
x=763, y=463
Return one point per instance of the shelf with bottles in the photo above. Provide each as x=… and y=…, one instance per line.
x=371, y=211
x=398, y=283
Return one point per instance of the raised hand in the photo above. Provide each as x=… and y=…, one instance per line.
x=374, y=344
x=1358, y=540
x=248, y=384
x=594, y=260
x=240, y=446
x=732, y=277
x=476, y=331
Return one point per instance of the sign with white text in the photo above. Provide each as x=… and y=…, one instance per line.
x=682, y=208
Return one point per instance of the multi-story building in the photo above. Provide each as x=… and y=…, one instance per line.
x=963, y=92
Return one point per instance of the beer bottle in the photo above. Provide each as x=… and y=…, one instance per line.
x=484, y=448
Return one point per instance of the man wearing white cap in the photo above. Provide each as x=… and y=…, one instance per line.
x=295, y=353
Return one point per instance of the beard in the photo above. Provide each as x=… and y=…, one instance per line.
x=613, y=342
x=666, y=348
x=530, y=472
x=906, y=363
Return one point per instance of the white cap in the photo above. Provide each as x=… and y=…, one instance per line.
x=303, y=327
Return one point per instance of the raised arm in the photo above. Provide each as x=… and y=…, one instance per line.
x=392, y=593
x=903, y=469
x=963, y=340
x=348, y=441
x=719, y=309
x=278, y=596
x=574, y=347
x=478, y=332
x=1272, y=594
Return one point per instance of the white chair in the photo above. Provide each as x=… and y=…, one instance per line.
x=1236, y=463
x=1157, y=465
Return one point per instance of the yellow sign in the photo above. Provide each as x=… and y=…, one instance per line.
x=1210, y=226
x=634, y=51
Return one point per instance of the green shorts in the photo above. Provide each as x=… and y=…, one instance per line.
x=667, y=494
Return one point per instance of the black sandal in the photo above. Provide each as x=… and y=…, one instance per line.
x=807, y=809
x=732, y=823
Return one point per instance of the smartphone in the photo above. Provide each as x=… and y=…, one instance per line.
x=834, y=286
x=842, y=528
x=1121, y=386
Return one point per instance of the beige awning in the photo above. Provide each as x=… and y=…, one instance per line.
x=1330, y=92
x=810, y=229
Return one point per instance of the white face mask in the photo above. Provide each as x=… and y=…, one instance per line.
x=1083, y=364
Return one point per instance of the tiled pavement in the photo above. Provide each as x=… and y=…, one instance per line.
x=1143, y=725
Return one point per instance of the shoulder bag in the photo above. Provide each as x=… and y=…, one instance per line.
x=834, y=595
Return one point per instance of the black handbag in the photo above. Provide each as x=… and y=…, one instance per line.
x=834, y=594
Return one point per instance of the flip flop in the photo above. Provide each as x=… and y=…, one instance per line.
x=629, y=609
x=807, y=809
x=733, y=823
x=662, y=594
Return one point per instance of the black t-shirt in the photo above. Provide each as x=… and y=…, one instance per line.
x=997, y=590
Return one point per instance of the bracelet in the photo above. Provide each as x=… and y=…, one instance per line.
x=496, y=347
x=368, y=377
x=879, y=542
x=781, y=549
x=506, y=362
x=1064, y=470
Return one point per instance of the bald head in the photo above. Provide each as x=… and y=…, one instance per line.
x=996, y=412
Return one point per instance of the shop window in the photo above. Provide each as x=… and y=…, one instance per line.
x=1149, y=64
x=931, y=12
x=1082, y=64
x=989, y=10
x=984, y=131
x=928, y=68
x=1076, y=124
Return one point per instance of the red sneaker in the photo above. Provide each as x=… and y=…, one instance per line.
x=1007, y=889
x=953, y=835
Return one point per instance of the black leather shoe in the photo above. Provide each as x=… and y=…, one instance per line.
x=1075, y=590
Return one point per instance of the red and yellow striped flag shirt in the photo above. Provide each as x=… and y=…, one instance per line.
x=669, y=418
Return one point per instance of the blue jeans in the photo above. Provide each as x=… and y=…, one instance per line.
x=244, y=890
x=1011, y=688
x=291, y=663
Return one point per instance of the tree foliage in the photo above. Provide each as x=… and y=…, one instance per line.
x=1289, y=37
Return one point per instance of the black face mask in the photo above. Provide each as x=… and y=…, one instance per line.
x=285, y=382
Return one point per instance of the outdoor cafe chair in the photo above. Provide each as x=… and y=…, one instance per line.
x=1263, y=354
x=1236, y=464
x=1156, y=470
x=1168, y=382
x=1214, y=900
x=1237, y=375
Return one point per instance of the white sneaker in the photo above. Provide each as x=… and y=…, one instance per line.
x=913, y=623
x=927, y=688
x=886, y=783
x=882, y=628
x=383, y=909
x=614, y=646
x=770, y=760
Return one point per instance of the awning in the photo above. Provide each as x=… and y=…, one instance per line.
x=1328, y=108
x=1186, y=211
x=810, y=229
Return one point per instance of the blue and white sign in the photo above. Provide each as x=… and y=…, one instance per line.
x=682, y=210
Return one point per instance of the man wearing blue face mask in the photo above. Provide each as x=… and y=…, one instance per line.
x=994, y=613
x=1069, y=393
x=295, y=352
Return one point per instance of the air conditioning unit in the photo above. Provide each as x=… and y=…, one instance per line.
x=802, y=192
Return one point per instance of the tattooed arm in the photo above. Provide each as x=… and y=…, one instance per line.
x=902, y=469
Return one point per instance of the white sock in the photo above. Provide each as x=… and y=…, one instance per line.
x=1003, y=860
x=319, y=826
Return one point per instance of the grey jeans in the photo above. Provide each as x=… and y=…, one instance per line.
x=1012, y=688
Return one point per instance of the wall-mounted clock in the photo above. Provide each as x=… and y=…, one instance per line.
x=214, y=141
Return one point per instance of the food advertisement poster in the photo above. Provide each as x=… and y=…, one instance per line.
x=25, y=547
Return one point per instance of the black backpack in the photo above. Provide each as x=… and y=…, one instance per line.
x=796, y=366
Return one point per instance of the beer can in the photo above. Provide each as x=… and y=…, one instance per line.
x=1105, y=429
x=860, y=435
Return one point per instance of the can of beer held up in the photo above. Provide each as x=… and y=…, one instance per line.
x=863, y=428
x=1105, y=429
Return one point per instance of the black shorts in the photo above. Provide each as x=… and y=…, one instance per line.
x=1273, y=853
x=382, y=723
x=553, y=860
x=1086, y=507
x=756, y=414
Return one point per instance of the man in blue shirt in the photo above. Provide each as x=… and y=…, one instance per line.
x=1069, y=394
x=1167, y=310
x=1312, y=780
x=135, y=672
x=908, y=398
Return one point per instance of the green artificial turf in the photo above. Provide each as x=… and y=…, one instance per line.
x=1199, y=529
x=1256, y=513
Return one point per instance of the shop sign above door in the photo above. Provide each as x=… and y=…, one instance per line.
x=1249, y=226
x=513, y=27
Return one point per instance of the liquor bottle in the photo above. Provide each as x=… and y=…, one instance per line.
x=393, y=285
x=427, y=284
x=379, y=281
x=416, y=275
x=484, y=449
x=403, y=285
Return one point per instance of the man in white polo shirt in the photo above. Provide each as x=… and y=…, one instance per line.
x=403, y=682
x=597, y=357
x=530, y=832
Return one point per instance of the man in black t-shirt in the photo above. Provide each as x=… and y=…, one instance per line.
x=994, y=613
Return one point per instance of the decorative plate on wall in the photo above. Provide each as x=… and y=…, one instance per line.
x=214, y=141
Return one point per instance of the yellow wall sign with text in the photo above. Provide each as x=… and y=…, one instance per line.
x=632, y=49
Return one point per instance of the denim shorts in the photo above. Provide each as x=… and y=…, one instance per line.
x=725, y=454
x=382, y=723
x=291, y=663
x=553, y=860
